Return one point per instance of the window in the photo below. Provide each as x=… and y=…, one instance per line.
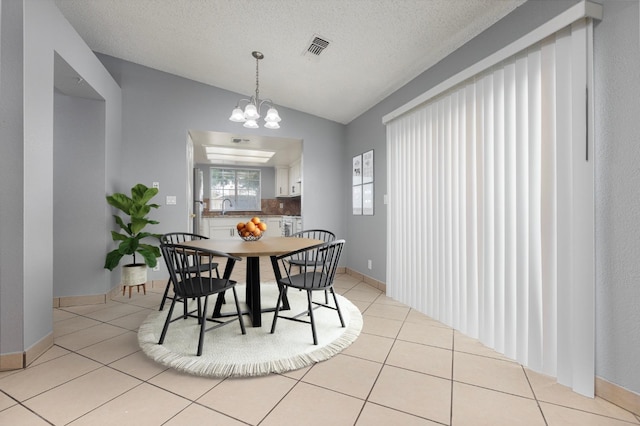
x=240, y=186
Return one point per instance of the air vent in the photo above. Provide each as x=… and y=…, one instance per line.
x=317, y=45
x=238, y=140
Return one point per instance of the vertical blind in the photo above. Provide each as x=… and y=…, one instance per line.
x=489, y=208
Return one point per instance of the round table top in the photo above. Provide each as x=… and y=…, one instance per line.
x=265, y=246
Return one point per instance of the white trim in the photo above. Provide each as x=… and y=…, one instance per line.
x=581, y=10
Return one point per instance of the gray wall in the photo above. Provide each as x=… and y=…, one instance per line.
x=11, y=171
x=158, y=111
x=617, y=189
x=617, y=134
x=78, y=196
x=31, y=34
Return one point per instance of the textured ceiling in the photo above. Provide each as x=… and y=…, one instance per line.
x=376, y=46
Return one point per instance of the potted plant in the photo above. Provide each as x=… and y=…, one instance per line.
x=137, y=208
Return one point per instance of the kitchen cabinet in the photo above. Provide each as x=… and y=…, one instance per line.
x=274, y=228
x=282, y=182
x=224, y=228
x=295, y=179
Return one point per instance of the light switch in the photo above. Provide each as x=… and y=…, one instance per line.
x=171, y=200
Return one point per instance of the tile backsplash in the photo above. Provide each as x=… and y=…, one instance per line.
x=270, y=207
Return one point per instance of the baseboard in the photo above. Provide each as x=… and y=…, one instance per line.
x=14, y=361
x=94, y=299
x=618, y=395
x=20, y=360
x=368, y=280
x=38, y=349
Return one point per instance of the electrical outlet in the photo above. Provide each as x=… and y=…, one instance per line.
x=171, y=200
x=369, y=264
x=156, y=185
x=281, y=205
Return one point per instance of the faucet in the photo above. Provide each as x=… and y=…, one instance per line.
x=230, y=205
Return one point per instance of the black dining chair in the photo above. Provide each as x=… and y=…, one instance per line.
x=192, y=280
x=318, y=271
x=315, y=234
x=179, y=238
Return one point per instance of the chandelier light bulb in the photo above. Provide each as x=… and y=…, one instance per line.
x=251, y=112
x=237, y=116
x=271, y=125
x=250, y=124
x=272, y=116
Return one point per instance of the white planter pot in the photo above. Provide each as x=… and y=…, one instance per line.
x=134, y=274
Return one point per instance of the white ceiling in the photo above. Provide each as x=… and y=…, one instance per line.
x=376, y=46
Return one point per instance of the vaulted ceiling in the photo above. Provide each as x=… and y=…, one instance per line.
x=374, y=46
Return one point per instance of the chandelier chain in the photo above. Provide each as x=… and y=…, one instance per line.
x=257, y=82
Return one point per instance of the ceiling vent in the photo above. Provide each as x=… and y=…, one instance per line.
x=317, y=46
x=238, y=140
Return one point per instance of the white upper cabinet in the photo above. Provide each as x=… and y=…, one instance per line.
x=289, y=180
x=295, y=179
x=282, y=181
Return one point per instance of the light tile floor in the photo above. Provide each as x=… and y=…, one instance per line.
x=404, y=369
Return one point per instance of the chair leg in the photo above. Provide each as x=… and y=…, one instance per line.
x=235, y=297
x=203, y=323
x=200, y=313
x=165, y=295
x=275, y=314
x=313, y=323
x=167, y=321
x=335, y=300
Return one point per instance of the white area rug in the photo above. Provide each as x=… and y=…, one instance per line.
x=228, y=353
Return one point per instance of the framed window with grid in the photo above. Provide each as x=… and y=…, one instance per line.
x=240, y=186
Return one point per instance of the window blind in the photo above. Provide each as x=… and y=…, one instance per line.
x=490, y=208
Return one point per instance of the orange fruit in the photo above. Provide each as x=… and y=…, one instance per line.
x=257, y=232
x=262, y=226
x=255, y=220
x=246, y=233
x=250, y=226
x=240, y=225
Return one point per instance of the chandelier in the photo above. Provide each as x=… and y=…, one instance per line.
x=252, y=109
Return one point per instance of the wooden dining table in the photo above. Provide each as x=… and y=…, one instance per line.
x=252, y=251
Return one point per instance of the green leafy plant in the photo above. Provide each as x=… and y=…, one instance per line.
x=137, y=208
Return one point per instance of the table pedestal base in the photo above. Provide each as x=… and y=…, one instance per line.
x=252, y=294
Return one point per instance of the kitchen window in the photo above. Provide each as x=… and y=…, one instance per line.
x=240, y=186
